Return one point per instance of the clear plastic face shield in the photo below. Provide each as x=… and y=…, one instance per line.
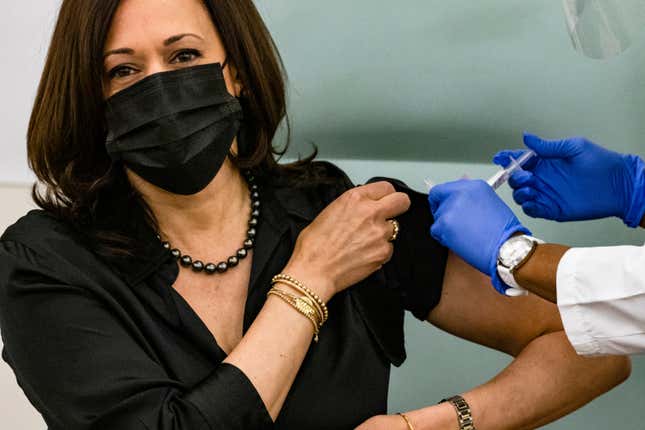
x=602, y=29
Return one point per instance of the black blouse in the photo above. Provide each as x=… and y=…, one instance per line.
x=107, y=343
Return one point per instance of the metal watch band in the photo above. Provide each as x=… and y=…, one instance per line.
x=464, y=415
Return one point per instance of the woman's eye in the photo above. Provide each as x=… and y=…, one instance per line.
x=185, y=56
x=121, y=72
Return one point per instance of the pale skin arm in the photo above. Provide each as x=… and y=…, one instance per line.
x=329, y=256
x=273, y=349
x=547, y=379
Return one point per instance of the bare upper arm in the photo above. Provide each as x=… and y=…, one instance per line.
x=471, y=309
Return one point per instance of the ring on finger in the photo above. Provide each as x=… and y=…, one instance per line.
x=396, y=228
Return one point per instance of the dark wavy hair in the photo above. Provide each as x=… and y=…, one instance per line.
x=78, y=182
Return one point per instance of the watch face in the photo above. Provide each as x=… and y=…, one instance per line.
x=515, y=250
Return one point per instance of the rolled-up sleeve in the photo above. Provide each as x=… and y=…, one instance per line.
x=601, y=297
x=419, y=262
x=83, y=368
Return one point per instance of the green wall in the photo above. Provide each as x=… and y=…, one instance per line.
x=447, y=80
x=414, y=88
x=440, y=364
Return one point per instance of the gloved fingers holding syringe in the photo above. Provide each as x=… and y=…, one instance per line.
x=514, y=162
x=570, y=179
x=574, y=179
x=456, y=199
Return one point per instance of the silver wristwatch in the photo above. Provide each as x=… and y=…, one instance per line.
x=512, y=255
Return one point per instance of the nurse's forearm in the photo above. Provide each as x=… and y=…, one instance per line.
x=547, y=381
x=539, y=273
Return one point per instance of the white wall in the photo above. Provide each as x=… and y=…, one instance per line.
x=25, y=27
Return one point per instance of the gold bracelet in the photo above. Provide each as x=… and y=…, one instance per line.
x=301, y=286
x=301, y=306
x=307, y=296
x=407, y=421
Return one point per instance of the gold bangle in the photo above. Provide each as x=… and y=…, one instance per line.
x=407, y=421
x=301, y=303
x=301, y=306
x=314, y=296
x=311, y=300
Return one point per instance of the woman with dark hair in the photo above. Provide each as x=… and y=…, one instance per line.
x=151, y=136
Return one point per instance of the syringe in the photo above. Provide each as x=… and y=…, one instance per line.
x=501, y=177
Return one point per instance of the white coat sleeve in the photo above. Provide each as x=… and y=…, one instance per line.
x=601, y=297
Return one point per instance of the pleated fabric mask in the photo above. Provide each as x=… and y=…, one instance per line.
x=174, y=129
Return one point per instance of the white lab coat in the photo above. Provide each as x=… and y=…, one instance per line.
x=601, y=297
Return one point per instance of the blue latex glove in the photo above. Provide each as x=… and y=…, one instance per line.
x=575, y=179
x=471, y=220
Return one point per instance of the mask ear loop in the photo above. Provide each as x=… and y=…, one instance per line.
x=224, y=65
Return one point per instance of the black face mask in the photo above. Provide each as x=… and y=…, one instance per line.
x=174, y=129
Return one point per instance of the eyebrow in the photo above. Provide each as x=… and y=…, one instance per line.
x=167, y=42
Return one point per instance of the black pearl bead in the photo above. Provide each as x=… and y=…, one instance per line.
x=186, y=261
x=233, y=261
x=249, y=243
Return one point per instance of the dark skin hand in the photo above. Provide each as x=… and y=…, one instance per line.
x=539, y=273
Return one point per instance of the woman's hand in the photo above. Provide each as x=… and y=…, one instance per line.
x=384, y=422
x=349, y=240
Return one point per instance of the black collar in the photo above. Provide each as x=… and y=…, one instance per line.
x=279, y=203
x=287, y=207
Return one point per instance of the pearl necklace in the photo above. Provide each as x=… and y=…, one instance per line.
x=199, y=266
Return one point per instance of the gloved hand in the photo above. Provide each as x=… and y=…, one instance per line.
x=575, y=179
x=471, y=220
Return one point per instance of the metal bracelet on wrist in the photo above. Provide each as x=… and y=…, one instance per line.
x=464, y=415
